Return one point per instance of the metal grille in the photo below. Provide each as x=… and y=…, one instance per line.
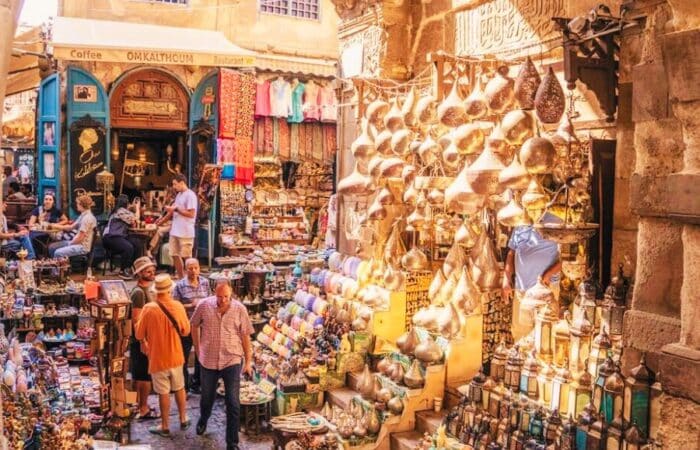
x=305, y=9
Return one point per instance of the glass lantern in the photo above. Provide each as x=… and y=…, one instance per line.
x=585, y=420
x=604, y=371
x=612, y=314
x=599, y=351
x=525, y=414
x=486, y=392
x=562, y=339
x=476, y=387
x=637, y=391
x=585, y=302
x=544, y=382
x=528, y=377
x=613, y=441
x=560, y=390
x=498, y=362
x=613, y=390
x=514, y=411
x=633, y=439
x=495, y=397
x=581, y=333
x=580, y=393
x=597, y=435
x=502, y=435
x=551, y=427
x=655, y=408
x=544, y=322
x=469, y=415
x=514, y=366
x=506, y=403
x=536, y=429
x=567, y=435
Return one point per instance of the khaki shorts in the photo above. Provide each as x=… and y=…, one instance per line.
x=167, y=381
x=180, y=246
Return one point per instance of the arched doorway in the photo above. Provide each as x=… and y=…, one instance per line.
x=149, y=112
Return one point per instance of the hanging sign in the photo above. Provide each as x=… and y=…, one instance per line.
x=152, y=57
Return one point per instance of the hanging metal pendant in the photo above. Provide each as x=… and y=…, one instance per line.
x=526, y=84
x=499, y=91
x=550, y=101
x=451, y=111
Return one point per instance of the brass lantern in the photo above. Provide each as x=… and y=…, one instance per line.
x=469, y=415
x=604, y=371
x=543, y=332
x=498, y=362
x=584, y=422
x=614, y=439
x=514, y=365
x=613, y=392
x=585, y=302
x=655, y=407
x=562, y=339
x=495, y=398
x=502, y=434
x=567, y=435
x=599, y=351
x=551, y=428
x=528, y=377
x=476, y=388
x=614, y=305
x=581, y=333
x=506, y=403
x=544, y=381
x=580, y=393
x=597, y=434
x=526, y=412
x=514, y=411
x=634, y=440
x=537, y=429
x=560, y=390
x=638, y=392
x=487, y=391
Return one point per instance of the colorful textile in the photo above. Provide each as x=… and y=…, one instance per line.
x=302, y=141
x=284, y=147
x=245, y=168
x=329, y=104
x=330, y=143
x=229, y=94
x=246, y=107
x=312, y=111
x=268, y=144
x=280, y=98
x=262, y=99
x=258, y=136
x=317, y=143
x=297, y=114
x=294, y=141
x=226, y=151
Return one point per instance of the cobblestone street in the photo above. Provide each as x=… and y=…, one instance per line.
x=214, y=438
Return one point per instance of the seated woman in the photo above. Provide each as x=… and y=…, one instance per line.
x=44, y=214
x=116, y=237
x=14, y=241
x=85, y=225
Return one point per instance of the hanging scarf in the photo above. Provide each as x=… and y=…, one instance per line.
x=237, y=120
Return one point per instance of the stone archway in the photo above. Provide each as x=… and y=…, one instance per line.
x=149, y=98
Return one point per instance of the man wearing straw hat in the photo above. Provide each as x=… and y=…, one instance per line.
x=161, y=325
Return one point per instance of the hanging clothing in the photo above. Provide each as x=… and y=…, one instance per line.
x=297, y=113
x=329, y=104
x=311, y=108
x=280, y=98
x=229, y=91
x=262, y=99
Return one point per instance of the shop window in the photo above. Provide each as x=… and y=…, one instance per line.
x=303, y=9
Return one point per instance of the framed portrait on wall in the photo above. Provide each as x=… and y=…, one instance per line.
x=49, y=169
x=84, y=93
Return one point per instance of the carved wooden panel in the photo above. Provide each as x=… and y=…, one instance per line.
x=149, y=99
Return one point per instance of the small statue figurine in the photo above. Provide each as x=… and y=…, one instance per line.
x=69, y=335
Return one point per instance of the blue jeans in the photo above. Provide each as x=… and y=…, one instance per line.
x=232, y=383
x=16, y=244
x=65, y=249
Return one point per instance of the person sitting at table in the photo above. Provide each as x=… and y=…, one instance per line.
x=116, y=237
x=14, y=193
x=13, y=240
x=85, y=224
x=47, y=212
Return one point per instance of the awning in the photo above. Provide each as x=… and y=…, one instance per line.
x=77, y=39
x=296, y=64
x=23, y=72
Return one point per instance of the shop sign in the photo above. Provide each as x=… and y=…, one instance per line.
x=500, y=25
x=87, y=158
x=152, y=107
x=152, y=57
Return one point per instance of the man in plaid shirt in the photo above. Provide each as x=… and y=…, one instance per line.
x=221, y=332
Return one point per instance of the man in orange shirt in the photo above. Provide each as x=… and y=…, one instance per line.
x=161, y=325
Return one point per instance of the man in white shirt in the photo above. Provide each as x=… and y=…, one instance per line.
x=24, y=173
x=183, y=212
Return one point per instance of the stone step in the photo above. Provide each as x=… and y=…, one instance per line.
x=429, y=421
x=408, y=440
x=341, y=397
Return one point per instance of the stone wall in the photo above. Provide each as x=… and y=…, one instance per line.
x=9, y=13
